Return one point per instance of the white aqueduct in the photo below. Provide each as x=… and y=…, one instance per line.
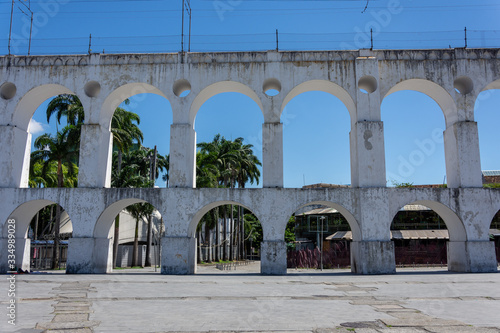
x=360, y=79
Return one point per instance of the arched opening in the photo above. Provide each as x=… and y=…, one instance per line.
x=140, y=127
x=56, y=131
x=319, y=236
x=137, y=242
x=221, y=88
x=414, y=145
x=229, y=140
x=31, y=121
x=495, y=234
x=421, y=231
x=228, y=238
x=42, y=230
x=316, y=148
x=486, y=114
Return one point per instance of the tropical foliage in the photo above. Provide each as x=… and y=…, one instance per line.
x=219, y=163
x=232, y=164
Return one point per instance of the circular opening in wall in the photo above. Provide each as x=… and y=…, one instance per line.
x=271, y=87
x=8, y=90
x=367, y=84
x=92, y=89
x=182, y=88
x=463, y=85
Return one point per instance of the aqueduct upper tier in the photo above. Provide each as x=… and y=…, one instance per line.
x=361, y=79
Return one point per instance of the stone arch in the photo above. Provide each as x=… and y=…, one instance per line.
x=492, y=85
x=205, y=209
x=31, y=101
x=102, y=228
x=23, y=215
x=353, y=223
x=434, y=91
x=218, y=88
x=117, y=96
x=490, y=214
x=325, y=86
x=456, y=228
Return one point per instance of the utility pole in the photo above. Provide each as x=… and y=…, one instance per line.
x=182, y=28
x=186, y=7
x=277, y=45
x=465, y=30
x=322, y=218
x=10, y=29
x=152, y=177
x=30, y=15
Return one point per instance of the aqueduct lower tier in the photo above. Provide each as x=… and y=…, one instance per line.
x=361, y=79
x=369, y=211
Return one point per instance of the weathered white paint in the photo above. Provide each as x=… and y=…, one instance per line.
x=369, y=211
x=102, y=82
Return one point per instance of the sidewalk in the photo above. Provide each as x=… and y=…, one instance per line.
x=423, y=300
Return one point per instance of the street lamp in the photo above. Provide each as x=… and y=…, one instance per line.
x=322, y=218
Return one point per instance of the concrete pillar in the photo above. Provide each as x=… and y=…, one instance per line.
x=373, y=251
x=87, y=255
x=80, y=256
x=182, y=156
x=103, y=255
x=472, y=257
x=367, y=132
x=367, y=154
x=15, y=147
x=463, y=165
x=21, y=254
x=178, y=255
x=373, y=257
x=272, y=154
x=273, y=257
x=96, y=148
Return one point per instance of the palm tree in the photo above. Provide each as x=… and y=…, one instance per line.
x=229, y=164
x=63, y=148
x=138, y=211
x=136, y=172
x=248, y=172
x=126, y=132
x=68, y=106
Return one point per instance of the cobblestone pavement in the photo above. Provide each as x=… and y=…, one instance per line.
x=241, y=300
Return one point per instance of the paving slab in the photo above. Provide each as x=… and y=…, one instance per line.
x=309, y=301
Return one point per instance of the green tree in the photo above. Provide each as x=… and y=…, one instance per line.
x=60, y=149
x=227, y=163
x=136, y=172
x=139, y=211
x=67, y=106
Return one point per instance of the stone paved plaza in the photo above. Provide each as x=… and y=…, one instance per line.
x=241, y=300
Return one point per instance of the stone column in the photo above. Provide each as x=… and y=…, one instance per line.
x=103, y=255
x=272, y=154
x=182, y=156
x=463, y=165
x=22, y=254
x=373, y=257
x=88, y=255
x=374, y=252
x=96, y=148
x=15, y=148
x=178, y=255
x=472, y=257
x=273, y=257
x=367, y=154
x=367, y=131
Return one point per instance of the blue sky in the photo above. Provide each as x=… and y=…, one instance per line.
x=314, y=151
